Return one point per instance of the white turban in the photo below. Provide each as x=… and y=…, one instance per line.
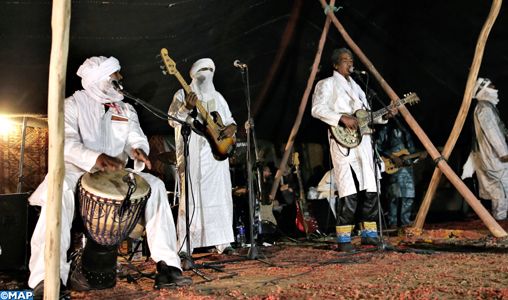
x=95, y=77
x=482, y=91
x=202, y=81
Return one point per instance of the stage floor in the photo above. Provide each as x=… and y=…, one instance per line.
x=457, y=260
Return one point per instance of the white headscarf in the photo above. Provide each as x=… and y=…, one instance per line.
x=483, y=92
x=95, y=77
x=202, y=81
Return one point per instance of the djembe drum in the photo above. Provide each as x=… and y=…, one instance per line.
x=111, y=203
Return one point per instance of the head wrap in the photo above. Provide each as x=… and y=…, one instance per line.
x=482, y=91
x=202, y=81
x=95, y=77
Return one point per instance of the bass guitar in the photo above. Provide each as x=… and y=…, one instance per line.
x=305, y=220
x=352, y=138
x=408, y=160
x=221, y=148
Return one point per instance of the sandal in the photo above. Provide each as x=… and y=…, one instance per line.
x=229, y=251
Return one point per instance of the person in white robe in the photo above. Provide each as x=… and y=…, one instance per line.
x=102, y=132
x=489, y=155
x=210, y=193
x=335, y=100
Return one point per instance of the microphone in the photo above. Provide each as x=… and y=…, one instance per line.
x=116, y=85
x=352, y=70
x=130, y=180
x=238, y=64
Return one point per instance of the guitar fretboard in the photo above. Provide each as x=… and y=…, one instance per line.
x=382, y=111
x=187, y=89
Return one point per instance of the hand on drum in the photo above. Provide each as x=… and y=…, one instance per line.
x=141, y=155
x=106, y=161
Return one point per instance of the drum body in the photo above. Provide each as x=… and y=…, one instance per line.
x=108, y=220
x=101, y=196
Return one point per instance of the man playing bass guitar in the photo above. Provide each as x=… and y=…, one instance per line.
x=210, y=198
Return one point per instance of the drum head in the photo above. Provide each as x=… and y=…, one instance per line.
x=109, y=184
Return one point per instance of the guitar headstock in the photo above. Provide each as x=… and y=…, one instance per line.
x=411, y=98
x=296, y=161
x=168, y=62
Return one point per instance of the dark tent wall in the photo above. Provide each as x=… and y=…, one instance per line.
x=425, y=47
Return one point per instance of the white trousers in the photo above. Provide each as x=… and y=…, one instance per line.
x=499, y=208
x=160, y=227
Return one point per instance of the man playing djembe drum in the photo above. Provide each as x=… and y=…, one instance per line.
x=102, y=132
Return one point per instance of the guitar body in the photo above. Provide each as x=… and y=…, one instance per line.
x=351, y=138
x=221, y=149
x=305, y=220
x=391, y=168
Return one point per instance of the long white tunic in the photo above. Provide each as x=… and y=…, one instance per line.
x=491, y=136
x=117, y=133
x=333, y=97
x=210, y=195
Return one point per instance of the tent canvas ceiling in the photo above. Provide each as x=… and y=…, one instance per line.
x=425, y=47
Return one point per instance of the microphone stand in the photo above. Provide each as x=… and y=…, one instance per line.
x=249, y=125
x=382, y=244
x=188, y=261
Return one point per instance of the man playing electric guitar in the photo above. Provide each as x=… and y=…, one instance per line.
x=210, y=198
x=335, y=100
x=400, y=188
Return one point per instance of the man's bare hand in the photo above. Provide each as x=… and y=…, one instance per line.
x=227, y=132
x=349, y=121
x=191, y=100
x=504, y=158
x=393, y=112
x=105, y=161
x=141, y=155
x=397, y=161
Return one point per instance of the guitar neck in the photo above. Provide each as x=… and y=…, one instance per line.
x=406, y=157
x=188, y=90
x=300, y=184
x=385, y=110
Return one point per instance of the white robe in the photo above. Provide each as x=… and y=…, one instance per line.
x=491, y=172
x=210, y=194
x=333, y=97
x=114, y=138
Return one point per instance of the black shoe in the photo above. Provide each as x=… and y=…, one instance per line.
x=345, y=247
x=168, y=277
x=369, y=241
x=39, y=292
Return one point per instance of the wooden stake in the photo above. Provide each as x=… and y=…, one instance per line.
x=489, y=221
x=461, y=118
x=303, y=104
x=60, y=23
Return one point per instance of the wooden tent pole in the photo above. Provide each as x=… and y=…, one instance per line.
x=60, y=22
x=489, y=221
x=303, y=104
x=461, y=118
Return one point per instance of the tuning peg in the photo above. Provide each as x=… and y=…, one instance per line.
x=164, y=72
x=158, y=55
x=163, y=67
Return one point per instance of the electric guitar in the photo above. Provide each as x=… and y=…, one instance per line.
x=352, y=138
x=305, y=220
x=407, y=158
x=221, y=148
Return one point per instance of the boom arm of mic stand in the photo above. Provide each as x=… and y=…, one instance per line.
x=142, y=102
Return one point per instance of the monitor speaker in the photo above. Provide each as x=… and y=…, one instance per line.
x=17, y=223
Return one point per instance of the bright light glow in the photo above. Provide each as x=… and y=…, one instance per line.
x=4, y=126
